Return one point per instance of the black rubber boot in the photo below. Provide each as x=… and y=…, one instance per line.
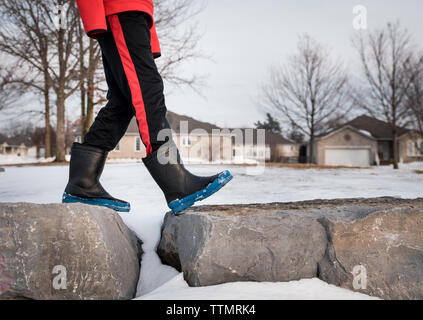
x=181, y=188
x=86, y=166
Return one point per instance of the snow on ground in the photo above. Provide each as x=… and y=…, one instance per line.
x=131, y=181
x=14, y=159
x=305, y=289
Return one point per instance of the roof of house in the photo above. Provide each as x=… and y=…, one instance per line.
x=3, y=138
x=133, y=127
x=16, y=141
x=277, y=138
x=176, y=119
x=370, y=126
x=175, y=122
x=362, y=132
x=377, y=128
x=271, y=138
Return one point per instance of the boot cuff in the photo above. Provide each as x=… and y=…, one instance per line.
x=87, y=148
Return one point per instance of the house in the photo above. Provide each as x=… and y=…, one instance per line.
x=130, y=146
x=249, y=146
x=282, y=149
x=346, y=146
x=202, y=142
x=198, y=142
x=408, y=140
x=18, y=150
x=19, y=145
x=273, y=147
x=366, y=141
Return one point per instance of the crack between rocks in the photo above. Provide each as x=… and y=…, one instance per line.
x=336, y=273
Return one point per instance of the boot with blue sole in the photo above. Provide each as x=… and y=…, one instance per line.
x=181, y=188
x=86, y=166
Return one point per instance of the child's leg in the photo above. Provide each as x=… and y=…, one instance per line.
x=113, y=119
x=126, y=49
x=88, y=159
x=134, y=78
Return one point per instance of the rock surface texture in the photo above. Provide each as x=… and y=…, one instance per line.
x=374, y=246
x=71, y=251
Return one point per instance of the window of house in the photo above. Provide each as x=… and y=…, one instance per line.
x=267, y=153
x=137, y=144
x=233, y=153
x=117, y=148
x=186, y=141
x=414, y=148
x=410, y=148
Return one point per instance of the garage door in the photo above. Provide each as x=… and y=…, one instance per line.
x=347, y=157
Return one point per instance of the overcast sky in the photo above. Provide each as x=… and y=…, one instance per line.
x=246, y=37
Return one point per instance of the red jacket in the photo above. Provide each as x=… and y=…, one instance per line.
x=94, y=12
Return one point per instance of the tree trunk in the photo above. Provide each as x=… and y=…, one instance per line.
x=60, y=131
x=47, y=133
x=312, y=132
x=82, y=125
x=395, y=148
x=89, y=115
x=82, y=78
x=311, y=159
x=90, y=107
x=60, y=101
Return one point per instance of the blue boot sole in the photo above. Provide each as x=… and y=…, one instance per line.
x=178, y=206
x=115, y=205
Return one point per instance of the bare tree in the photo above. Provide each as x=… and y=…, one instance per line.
x=46, y=37
x=91, y=78
x=10, y=91
x=65, y=66
x=29, y=46
x=415, y=92
x=42, y=34
x=179, y=41
x=309, y=91
x=179, y=35
x=385, y=55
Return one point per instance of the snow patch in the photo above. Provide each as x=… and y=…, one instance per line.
x=15, y=159
x=305, y=289
x=365, y=132
x=132, y=182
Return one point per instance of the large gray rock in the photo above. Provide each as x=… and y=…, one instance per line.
x=87, y=249
x=2, y=169
x=291, y=241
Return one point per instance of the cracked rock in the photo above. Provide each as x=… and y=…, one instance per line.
x=71, y=251
x=382, y=237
